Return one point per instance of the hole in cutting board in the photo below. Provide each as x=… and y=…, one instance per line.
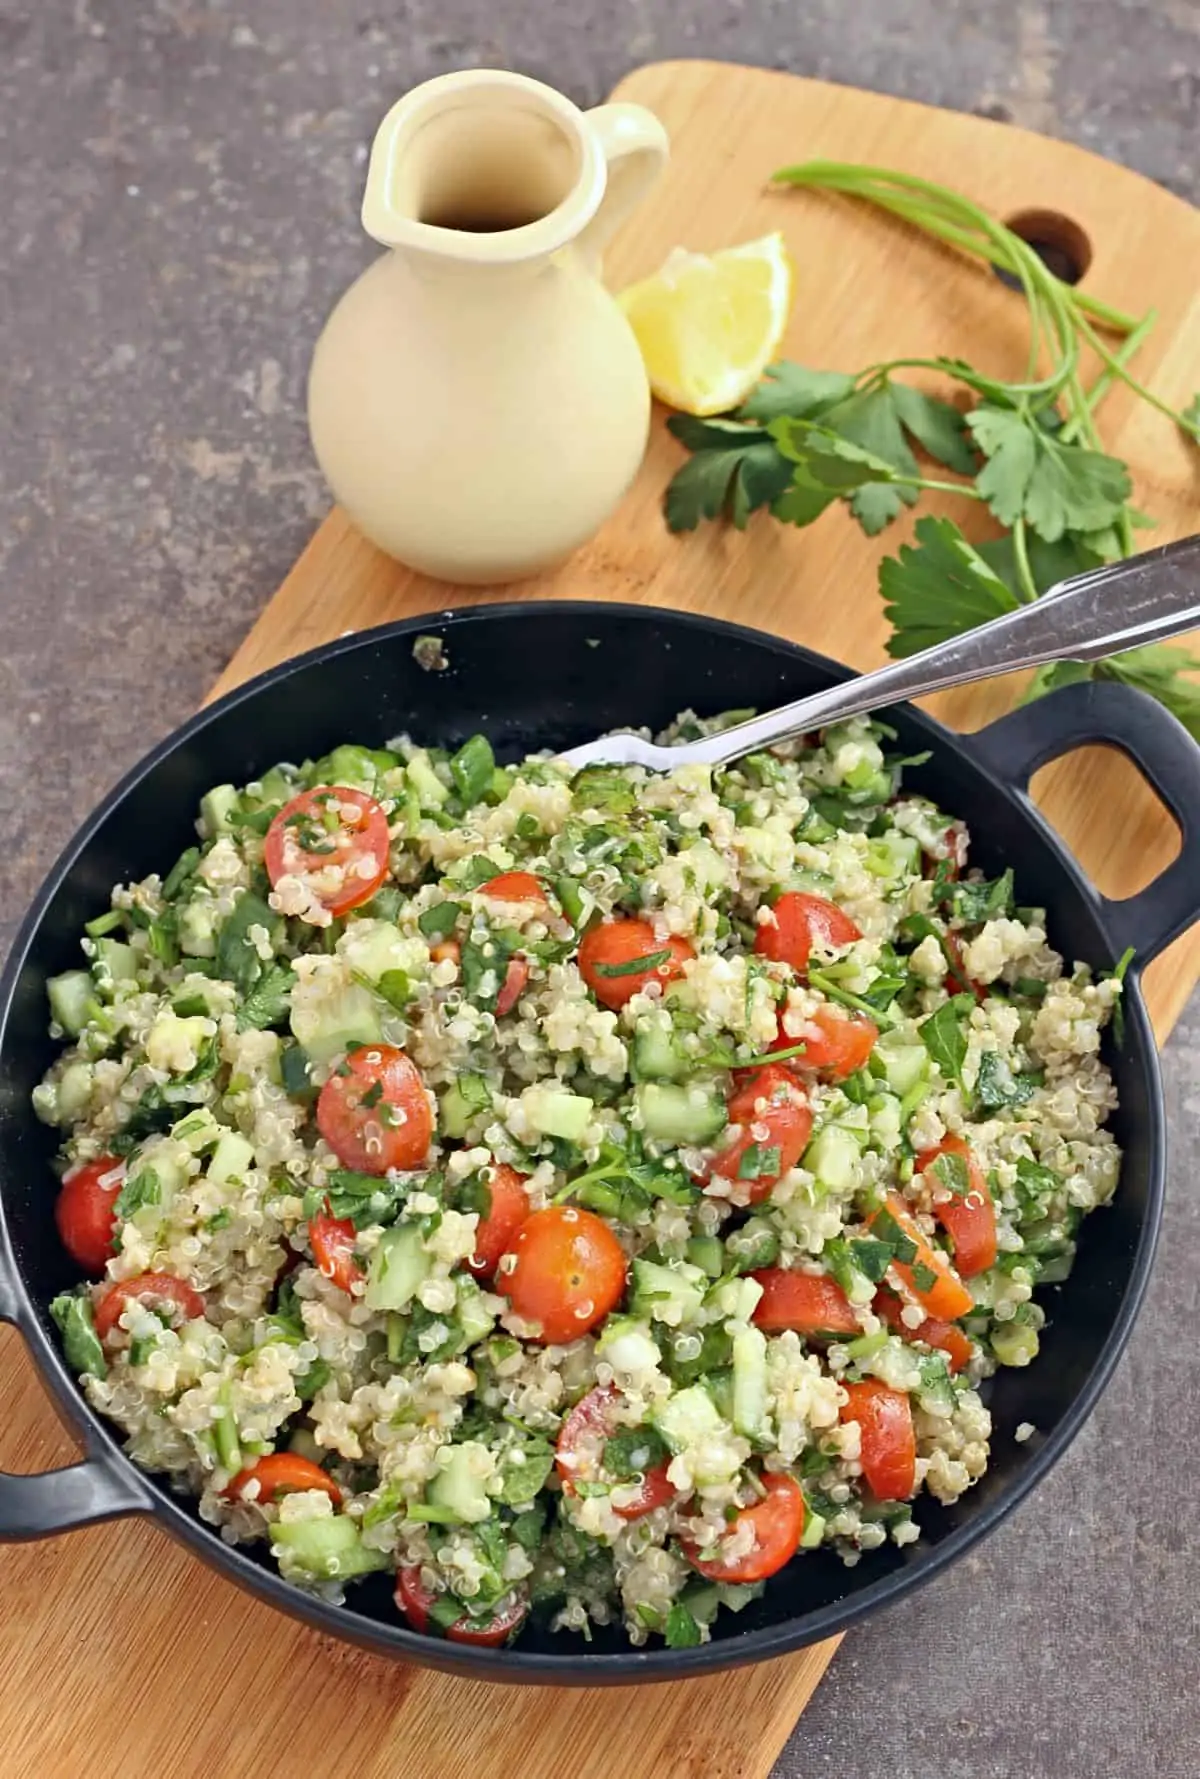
x=1059, y=243
x=1078, y=797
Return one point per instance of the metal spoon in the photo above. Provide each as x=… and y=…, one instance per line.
x=1124, y=605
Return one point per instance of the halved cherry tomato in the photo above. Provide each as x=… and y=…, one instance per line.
x=333, y=1241
x=414, y=1600
x=969, y=1218
x=580, y=1450
x=374, y=1112
x=889, y=1445
x=956, y=975
x=946, y=1337
x=609, y=955
x=569, y=1272
x=778, y=1522
x=85, y=1211
x=284, y=1473
x=800, y=920
x=148, y=1287
x=809, y=1303
x=774, y=1115
x=516, y=886
x=336, y=839
x=508, y=1210
x=513, y=987
x=947, y=1297
x=835, y=1043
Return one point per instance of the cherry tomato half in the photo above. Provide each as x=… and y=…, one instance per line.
x=776, y=1125
x=336, y=839
x=889, y=1445
x=969, y=1218
x=517, y=886
x=333, y=1240
x=85, y=1211
x=609, y=956
x=800, y=921
x=947, y=1297
x=836, y=1044
x=414, y=1599
x=508, y=1209
x=162, y=1289
x=374, y=1112
x=570, y=1272
x=946, y=1337
x=284, y=1473
x=809, y=1303
x=778, y=1522
x=580, y=1450
x=513, y=987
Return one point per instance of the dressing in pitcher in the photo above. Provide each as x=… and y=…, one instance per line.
x=477, y=400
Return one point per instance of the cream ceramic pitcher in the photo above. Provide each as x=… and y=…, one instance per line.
x=477, y=400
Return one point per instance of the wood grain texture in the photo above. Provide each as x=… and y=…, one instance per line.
x=120, y=1653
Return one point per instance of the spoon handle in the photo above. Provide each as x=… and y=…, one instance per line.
x=1123, y=605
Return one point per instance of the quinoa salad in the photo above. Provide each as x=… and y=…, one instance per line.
x=576, y=1195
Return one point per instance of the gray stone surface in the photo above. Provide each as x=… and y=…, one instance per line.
x=181, y=183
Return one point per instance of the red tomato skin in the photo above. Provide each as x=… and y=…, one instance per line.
x=414, y=1600
x=970, y=1222
x=807, y=1303
x=889, y=1445
x=800, y=920
x=838, y=1047
x=947, y=1298
x=85, y=1212
x=332, y=1240
x=283, y=1472
x=368, y=838
x=593, y=1416
x=357, y=1133
x=946, y=1337
x=785, y=1118
x=778, y=1522
x=621, y=942
x=161, y=1287
x=496, y=1232
x=516, y=886
x=570, y=1272
x=957, y=976
x=516, y=978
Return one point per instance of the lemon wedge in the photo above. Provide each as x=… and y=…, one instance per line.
x=709, y=324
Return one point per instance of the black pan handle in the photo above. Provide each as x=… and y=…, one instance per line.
x=101, y=1487
x=1110, y=714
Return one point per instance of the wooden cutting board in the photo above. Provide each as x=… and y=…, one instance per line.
x=120, y=1653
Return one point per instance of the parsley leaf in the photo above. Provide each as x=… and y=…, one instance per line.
x=996, y=1085
x=758, y=1163
x=81, y=1344
x=944, y=1035
x=793, y=389
x=268, y=1001
x=142, y=1188
x=633, y=1451
x=1031, y=475
x=936, y=425
x=1159, y=670
x=683, y=1630
x=237, y=960
x=1190, y=417
x=734, y=470
x=937, y=588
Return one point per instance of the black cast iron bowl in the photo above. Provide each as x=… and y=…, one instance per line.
x=551, y=675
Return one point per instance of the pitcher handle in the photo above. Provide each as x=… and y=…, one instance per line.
x=635, y=148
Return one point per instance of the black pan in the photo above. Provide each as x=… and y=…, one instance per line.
x=541, y=675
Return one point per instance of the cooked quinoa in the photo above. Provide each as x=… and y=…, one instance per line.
x=578, y=1193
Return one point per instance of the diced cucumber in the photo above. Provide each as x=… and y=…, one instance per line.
x=463, y=1101
x=330, y=1024
x=398, y=1266
x=687, y=1417
x=893, y=855
x=74, y=1090
x=117, y=959
x=197, y=927
x=231, y=1158
x=706, y=1252
x=813, y=883
x=275, y=787
x=814, y=1529
x=328, y=1549
x=459, y=1486
x=70, y=996
x=865, y=1346
x=656, y=1054
x=903, y=1064
x=373, y=947
x=554, y=1112
x=833, y=1158
x=199, y=1130
x=474, y=1318
x=1014, y=1343
x=736, y=1299
x=671, y=1293
x=629, y=1347
x=674, y=1114
x=754, y=1245
x=749, y=1380
x=216, y=807
x=431, y=792
x=358, y=767
x=719, y=1387
x=303, y=1442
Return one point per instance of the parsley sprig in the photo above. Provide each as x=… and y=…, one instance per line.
x=1027, y=450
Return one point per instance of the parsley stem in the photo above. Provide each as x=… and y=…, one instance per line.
x=1029, y=590
x=1128, y=349
x=1112, y=363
